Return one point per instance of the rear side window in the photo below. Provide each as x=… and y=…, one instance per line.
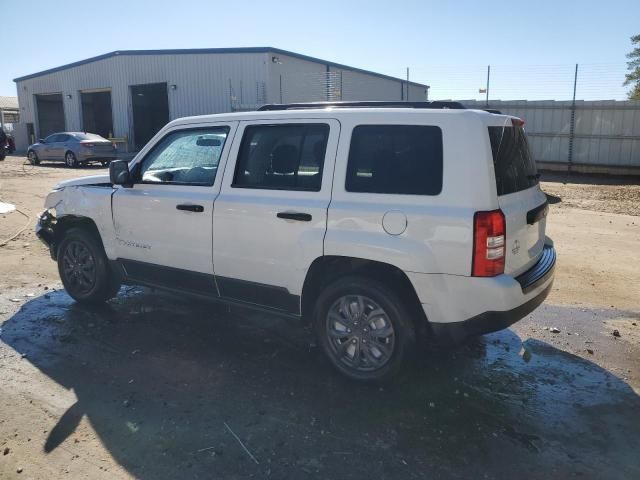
x=282, y=157
x=515, y=168
x=395, y=159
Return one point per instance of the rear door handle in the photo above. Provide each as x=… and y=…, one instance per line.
x=301, y=217
x=190, y=208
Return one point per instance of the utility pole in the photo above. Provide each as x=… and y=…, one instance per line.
x=486, y=101
x=572, y=124
x=407, y=84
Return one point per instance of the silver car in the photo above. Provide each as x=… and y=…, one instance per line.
x=74, y=148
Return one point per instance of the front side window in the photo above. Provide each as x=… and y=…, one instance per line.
x=395, y=159
x=185, y=157
x=282, y=157
x=52, y=138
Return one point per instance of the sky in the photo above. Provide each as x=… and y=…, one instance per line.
x=532, y=46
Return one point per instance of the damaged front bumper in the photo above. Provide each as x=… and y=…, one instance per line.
x=46, y=231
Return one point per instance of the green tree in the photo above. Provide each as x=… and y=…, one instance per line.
x=633, y=65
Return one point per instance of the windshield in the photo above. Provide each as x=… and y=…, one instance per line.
x=515, y=168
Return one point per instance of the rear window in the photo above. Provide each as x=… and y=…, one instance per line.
x=515, y=168
x=395, y=159
x=88, y=136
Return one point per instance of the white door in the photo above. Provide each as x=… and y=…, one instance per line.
x=163, y=222
x=271, y=215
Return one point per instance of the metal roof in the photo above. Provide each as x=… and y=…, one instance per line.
x=9, y=103
x=192, y=51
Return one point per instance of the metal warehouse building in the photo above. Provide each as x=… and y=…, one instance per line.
x=129, y=95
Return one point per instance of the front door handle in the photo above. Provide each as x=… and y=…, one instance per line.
x=190, y=208
x=299, y=216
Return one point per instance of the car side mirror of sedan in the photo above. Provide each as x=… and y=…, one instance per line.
x=41, y=140
x=119, y=173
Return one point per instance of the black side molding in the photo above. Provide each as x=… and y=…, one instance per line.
x=538, y=213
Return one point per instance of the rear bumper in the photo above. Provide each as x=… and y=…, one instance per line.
x=458, y=307
x=486, y=322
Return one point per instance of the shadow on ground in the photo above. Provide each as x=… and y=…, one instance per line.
x=158, y=377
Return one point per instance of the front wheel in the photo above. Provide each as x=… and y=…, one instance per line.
x=33, y=158
x=70, y=160
x=364, y=328
x=84, y=269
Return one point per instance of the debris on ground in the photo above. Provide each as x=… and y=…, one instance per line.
x=6, y=451
x=590, y=351
x=554, y=330
x=616, y=333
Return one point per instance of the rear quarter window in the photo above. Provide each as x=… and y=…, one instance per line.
x=514, y=167
x=395, y=159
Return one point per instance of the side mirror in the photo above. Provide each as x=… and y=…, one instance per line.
x=119, y=173
x=41, y=140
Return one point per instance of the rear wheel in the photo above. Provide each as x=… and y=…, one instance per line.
x=70, y=160
x=364, y=328
x=33, y=158
x=84, y=269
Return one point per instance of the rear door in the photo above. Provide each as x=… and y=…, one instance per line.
x=523, y=203
x=271, y=215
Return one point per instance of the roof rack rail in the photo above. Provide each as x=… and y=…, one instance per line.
x=363, y=104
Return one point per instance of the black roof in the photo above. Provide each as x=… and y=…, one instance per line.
x=192, y=51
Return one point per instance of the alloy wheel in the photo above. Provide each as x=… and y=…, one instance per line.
x=360, y=333
x=79, y=267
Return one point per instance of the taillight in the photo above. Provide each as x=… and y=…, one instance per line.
x=517, y=122
x=489, y=231
x=87, y=144
x=114, y=146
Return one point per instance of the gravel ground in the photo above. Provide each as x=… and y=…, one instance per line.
x=594, y=193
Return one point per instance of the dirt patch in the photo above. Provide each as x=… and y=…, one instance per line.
x=595, y=194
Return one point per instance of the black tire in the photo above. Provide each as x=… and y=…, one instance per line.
x=33, y=158
x=70, y=159
x=400, y=346
x=84, y=268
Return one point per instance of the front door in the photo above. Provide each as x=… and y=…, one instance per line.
x=271, y=215
x=59, y=146
x=163, y=223
x=46, y=153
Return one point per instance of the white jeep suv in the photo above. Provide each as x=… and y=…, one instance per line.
x=380, y=223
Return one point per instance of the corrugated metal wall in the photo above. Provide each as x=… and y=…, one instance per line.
x=205, y=83
x=606, y=133
x=298, y=80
